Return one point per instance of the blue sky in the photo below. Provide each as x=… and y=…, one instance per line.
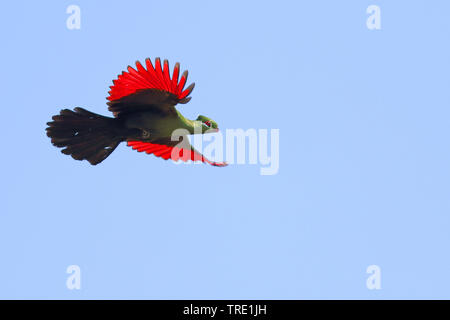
x=364, y=154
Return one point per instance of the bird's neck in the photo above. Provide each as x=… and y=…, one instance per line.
x=191, y=125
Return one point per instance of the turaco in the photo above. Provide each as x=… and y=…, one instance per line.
x=143, y=102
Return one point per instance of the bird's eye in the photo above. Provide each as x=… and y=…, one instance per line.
x=208, y=123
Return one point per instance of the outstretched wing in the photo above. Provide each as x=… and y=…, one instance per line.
x=150, y=89
x=167, y=149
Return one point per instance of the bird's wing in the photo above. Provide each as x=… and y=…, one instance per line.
x=167, y=149
x=149, y=89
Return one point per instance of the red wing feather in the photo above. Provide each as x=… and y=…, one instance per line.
x=166, y=73
x=171, y=152
x=176, y=71
x=182, y=83
x=156, y=77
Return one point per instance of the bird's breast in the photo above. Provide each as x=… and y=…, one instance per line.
x=158, y=125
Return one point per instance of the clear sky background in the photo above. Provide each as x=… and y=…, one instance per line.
x=364, y=178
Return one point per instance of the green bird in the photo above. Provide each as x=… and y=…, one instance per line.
x=143, y=102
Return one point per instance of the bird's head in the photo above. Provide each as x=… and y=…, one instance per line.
x=208, y=124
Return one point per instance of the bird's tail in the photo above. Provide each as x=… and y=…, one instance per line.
x=85, y=135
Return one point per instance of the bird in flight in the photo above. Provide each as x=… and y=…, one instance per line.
x=143, y=102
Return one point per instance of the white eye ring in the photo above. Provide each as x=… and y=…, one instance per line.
x=207, y=123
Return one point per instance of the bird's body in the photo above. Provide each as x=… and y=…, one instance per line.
x=159, y=126
x=143, y=103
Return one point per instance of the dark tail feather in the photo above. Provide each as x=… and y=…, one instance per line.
x=85, y=135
